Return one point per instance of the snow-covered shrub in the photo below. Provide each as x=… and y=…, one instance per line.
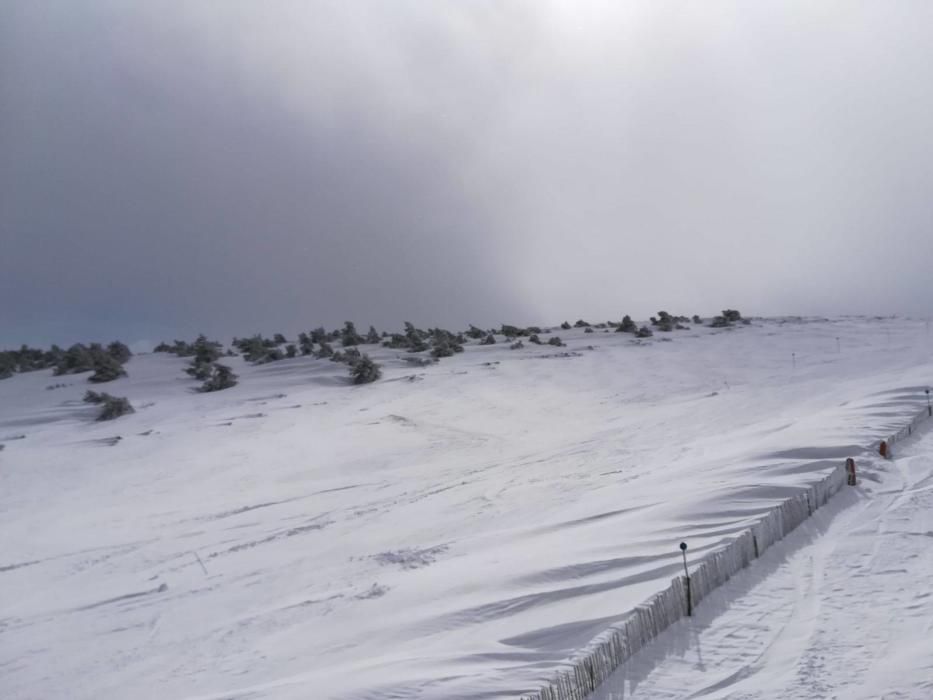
x=446, y=347
x=729, y=317
x=199, y=370
x=106, y=369
x=272, y=355
x=442, y=349
x=221, y=377
x=644, y=332
x=556, y=341
x=364, y=370
x=627, y=325
x=415, y=338
x=119, y=352
x=397, y=341
x=510, y=331
x=348, y=336
x=664, y=322
x=77, y=358
x=253, y=348
x=565, y=325
x=517, y=345
x=94, y=397
x=113, y=407
x=205, y=351
x=347, y=356
x=203, y=354
x=446, y=343
x=324, y=351
x=259, y=350
x=179, y=348
x=304, y=342
x=488, y=340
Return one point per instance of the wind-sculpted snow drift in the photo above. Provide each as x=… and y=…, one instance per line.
x=594, y=664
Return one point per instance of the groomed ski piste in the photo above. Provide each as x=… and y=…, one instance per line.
x=461, y=530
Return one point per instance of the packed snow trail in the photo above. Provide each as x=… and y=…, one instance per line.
x=841, y=608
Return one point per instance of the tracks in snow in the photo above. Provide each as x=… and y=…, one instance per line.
x=842, y=607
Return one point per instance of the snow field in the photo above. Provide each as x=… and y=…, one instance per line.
x=594, y=664
x=840, y=608
x=453, y=531
x=607, y=652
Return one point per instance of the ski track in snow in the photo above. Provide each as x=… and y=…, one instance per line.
x=452, y=537
x=841, y=608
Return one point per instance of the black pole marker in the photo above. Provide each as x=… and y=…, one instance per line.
x=683, y=550
x=929, y=408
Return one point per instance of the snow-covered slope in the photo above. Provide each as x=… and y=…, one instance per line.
x=448, y=532
x=841, y=608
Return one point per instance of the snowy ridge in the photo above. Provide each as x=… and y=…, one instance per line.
x=585, y=671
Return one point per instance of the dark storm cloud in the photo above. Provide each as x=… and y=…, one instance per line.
x=234, y=166
x=161, y=186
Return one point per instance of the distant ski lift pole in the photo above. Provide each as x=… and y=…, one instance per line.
x=929, y=407
x=793, y=360
x=683, y=550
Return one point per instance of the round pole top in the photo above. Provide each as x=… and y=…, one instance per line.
x=683, y=546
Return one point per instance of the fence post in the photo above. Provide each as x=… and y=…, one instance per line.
x=683, y=550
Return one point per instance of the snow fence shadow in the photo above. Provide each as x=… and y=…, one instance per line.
x=582, y=674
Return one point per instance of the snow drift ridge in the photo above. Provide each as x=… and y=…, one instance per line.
x=584, y=672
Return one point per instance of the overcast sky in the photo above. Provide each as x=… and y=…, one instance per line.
x=231, y=167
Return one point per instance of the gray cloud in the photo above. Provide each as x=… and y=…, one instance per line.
x=235, y=167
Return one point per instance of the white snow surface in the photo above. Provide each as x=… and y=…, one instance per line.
x=841, y=608
x=451, y=531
